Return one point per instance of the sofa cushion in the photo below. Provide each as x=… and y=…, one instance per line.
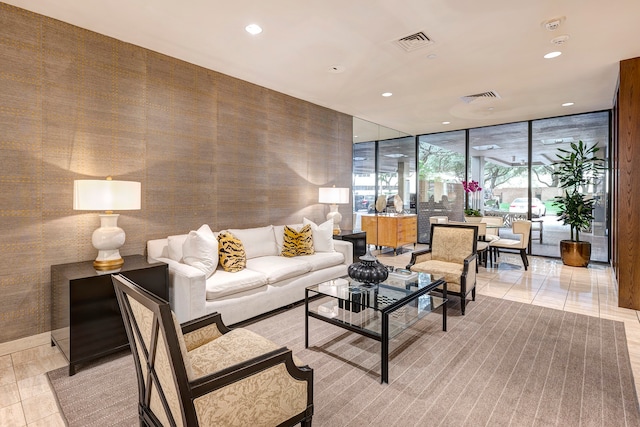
x=257, y=242
x=175, y=246
x=277, y=268
x=297, y=242
x=232, y=255
x=322, y=235
x=200, y=250
x=321, y=260
x=224, y=283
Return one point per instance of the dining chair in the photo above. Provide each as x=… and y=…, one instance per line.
x=521, y=228
x=494, y=223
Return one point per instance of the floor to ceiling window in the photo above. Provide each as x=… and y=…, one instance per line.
x=548, y=135
x=441, y=172
x=396, y=171
x=513, y=164
x=499, y=161
x=383, y=165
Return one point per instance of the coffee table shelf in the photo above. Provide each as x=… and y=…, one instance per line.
x=380, y=312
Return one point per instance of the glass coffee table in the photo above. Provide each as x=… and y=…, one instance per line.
x=380, y=311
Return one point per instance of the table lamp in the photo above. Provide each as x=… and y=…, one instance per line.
x=107, y=195
x=334, y=196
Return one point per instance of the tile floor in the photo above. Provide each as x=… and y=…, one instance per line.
x=26, y=398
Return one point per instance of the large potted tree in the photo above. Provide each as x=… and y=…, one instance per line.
x=577, y=169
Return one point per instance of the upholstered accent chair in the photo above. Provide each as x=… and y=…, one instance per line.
x=201, y=373
x=482, y=245
x=521, y=228
x=452, y=255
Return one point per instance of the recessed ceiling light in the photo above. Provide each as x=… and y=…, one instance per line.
x=446, y=123
x=253, y=29
x=387, y=94
x=432, y=56
x=552, y=55
x=567, y=104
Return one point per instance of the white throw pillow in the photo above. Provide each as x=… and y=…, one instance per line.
x=257, y=242
x=175, y=246
x=200, y=250
x=322, y=235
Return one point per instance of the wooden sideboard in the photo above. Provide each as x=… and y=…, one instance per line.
x=393, y=231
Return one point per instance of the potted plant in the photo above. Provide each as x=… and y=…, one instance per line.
x=472, y=212
x=576, y=170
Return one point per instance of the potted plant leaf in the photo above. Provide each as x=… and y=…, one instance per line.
x=577, y=169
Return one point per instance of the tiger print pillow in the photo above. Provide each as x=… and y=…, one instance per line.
x=232, y=255
x=297, y=242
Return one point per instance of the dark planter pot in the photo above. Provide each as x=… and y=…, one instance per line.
x=575, y=254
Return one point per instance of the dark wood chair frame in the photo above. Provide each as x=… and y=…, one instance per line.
x=465, y=270
x=190, y=390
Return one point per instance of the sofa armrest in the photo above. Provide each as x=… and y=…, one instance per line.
x=346, y=249
x=419, y=256
x=187, y=290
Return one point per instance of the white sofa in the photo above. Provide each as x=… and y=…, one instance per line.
x=268, y=282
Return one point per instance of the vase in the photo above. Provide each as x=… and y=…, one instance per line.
x=368, y=271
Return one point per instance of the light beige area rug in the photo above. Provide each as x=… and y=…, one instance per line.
x=503, y=364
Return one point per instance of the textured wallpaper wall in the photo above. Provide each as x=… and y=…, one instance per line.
x=207, y=148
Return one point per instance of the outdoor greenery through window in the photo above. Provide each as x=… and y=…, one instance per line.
x=513, y=164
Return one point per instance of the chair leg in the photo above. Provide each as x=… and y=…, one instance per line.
x=473, y=294
x=462, y=303
x=306, y=422
x=525, y=261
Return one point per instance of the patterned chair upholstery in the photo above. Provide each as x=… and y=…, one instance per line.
x=201, y=373
x=452, y=254
x=482, y=246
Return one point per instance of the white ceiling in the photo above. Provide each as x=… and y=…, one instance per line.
x=479, y=46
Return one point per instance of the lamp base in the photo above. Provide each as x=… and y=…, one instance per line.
x=336, y=217
x=111, y=265
x=108, y=239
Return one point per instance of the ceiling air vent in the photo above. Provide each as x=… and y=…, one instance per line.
x=414, y=41
x=470, y=98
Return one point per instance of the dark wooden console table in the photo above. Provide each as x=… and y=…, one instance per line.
x=357, y=238
x=85, y=318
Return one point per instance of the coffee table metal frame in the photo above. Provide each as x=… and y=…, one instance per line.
x=412, y=294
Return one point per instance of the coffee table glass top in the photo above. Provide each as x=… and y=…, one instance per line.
x=405, y=299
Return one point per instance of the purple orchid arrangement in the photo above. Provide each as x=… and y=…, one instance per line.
x=471, y=186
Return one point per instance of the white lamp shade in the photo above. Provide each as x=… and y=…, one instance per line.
x=333, y=195
x=105, y=195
